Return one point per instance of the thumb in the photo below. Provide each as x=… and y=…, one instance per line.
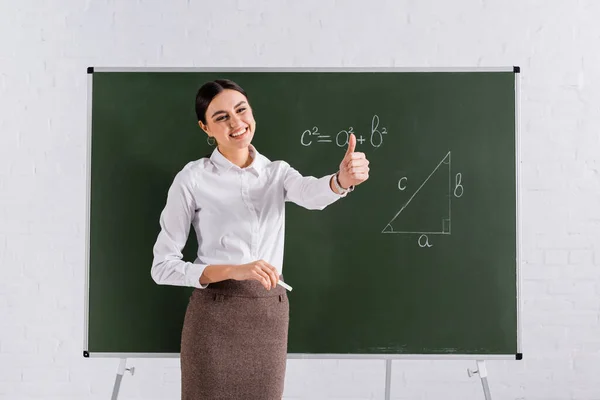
x=351, y=144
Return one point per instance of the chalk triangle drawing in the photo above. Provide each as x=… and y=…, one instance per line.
x=427, y=211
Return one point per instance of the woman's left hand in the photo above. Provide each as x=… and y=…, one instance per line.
x=354, y=168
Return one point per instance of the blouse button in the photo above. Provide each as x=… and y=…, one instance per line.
x=223, y=240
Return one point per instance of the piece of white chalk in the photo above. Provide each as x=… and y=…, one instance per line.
x=285, y=285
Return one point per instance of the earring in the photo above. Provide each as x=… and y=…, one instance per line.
x=211, y=141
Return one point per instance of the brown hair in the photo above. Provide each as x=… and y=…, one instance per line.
x=208, y=91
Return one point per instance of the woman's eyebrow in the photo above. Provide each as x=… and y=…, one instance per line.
x=224, y=112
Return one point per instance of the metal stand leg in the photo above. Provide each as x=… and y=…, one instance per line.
x=482, y=371
x=388, y=379
x=120, y=371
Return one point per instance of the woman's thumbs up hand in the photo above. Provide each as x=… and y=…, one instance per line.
x=354, y=168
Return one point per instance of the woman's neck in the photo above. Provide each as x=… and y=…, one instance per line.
x=240, y=157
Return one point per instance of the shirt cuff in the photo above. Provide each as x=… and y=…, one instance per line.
x=193, y=274
x=334, y=195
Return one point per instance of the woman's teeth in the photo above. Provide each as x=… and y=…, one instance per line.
x=238, y=133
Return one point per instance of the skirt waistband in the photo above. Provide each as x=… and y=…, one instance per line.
x=248, y=288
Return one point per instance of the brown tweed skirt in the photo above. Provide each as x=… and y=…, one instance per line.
x=234, y=342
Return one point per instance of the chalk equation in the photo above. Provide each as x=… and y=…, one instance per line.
x=445, y=188
x=310, y=136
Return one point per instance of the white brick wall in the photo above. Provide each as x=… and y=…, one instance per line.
x=45, y=46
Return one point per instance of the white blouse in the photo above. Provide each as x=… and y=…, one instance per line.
x=238, y=214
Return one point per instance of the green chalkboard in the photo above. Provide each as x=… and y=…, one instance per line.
x=422, y=259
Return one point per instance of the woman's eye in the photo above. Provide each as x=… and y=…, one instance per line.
x=221, y=118
x=241, y=109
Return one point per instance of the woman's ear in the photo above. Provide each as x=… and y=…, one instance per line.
x=203, y=127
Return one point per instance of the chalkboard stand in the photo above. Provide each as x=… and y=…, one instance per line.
x=388, y=378
x=120, y=372
x=482, y=371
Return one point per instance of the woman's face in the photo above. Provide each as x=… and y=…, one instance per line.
x=229, y=120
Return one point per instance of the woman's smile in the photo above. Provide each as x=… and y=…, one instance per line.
x=239, y=133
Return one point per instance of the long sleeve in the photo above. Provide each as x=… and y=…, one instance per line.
x=168, y=268
x=307, y=191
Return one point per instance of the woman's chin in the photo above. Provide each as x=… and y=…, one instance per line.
x=242, y=142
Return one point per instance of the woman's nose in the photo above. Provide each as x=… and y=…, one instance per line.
x=234, y=121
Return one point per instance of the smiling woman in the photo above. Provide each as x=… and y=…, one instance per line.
x=225, y=115
x=235, y=330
